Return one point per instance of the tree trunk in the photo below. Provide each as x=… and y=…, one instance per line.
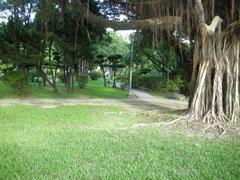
x=114, y=78
x=45, y=78
x=53, y=75
x=73, y=82
x=216, y=100
x=104, y=76
x=69, y=72
x=234, y=10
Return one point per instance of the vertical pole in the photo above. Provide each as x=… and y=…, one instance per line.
x=130, y=71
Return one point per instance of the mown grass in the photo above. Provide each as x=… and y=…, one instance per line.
x=94, y=142
x=94, y=89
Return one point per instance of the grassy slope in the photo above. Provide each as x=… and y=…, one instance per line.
x=94, y=89
x=86, y=142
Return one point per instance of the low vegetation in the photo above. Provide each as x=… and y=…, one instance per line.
x=94, y=89
x=156, y=83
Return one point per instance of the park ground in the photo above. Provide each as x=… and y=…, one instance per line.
x=105, y=135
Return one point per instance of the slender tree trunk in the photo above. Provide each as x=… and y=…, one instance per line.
x=69, y=74
x=234, y=10
x=104, y=76
x=114, y=78
x=45, y=78
x=65, y=78
x=73, y=82
x=53, y=75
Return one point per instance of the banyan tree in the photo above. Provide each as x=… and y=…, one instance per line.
x=212, y=30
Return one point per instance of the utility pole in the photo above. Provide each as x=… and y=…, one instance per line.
x=130, y=69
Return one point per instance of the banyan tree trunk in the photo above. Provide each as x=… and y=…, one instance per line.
x=216, y=94
x=216, y=66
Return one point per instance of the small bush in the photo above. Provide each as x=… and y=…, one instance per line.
x=17, y=80
x=174, y=85
x=155, y=82
x=61, y=77
x=135, y=79
x=124, y=80
x=149, y=81
x=144, y=71
x=34, y=75
x=82, y=81
x=171, y=86
x=95, y=75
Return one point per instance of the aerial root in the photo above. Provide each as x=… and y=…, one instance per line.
x=215, y=122
x=211, y=122
x=180, y=119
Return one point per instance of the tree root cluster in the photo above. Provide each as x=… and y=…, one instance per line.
x=211, y=123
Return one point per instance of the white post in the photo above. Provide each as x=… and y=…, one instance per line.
x=130, y=70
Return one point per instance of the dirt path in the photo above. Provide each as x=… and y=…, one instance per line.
x=143, y=95
x=142, y=102
x=165, y=102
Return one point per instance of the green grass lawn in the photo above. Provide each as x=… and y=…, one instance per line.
x=94, y=89
x=93, y=142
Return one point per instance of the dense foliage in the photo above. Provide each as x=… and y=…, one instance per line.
x=66, y=49
x=95, y=75
x=18, y=80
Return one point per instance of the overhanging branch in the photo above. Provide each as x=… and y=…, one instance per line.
x=201, y=18
x=213, y=26
x=126, y=25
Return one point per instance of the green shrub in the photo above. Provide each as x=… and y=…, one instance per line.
x=171, y=86
x=156, y=83
x=135, y=79
x=174, y=85
x=95, y=75
x=149, y=81
x=61, y=77
x=178, y=80
x=144, y=71
x=82, y=81
x=124, y=80
x=17, y=80
x=34, y=75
